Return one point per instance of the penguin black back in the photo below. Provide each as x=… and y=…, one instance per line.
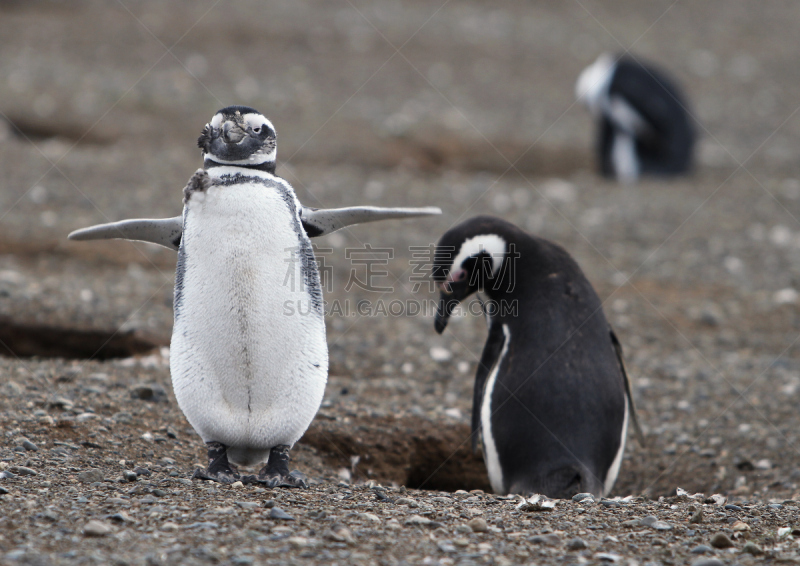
x=551, y=399
x=639, y=100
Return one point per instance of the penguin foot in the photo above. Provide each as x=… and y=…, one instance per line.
x=219, y=469
x=276, y=473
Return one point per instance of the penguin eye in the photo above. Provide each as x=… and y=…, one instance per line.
x=257, y=130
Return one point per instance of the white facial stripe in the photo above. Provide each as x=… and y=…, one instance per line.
x=255, y=120
x=492, y=244
x=252, y=119
x=490, y=455
x=593, y=83
x=613, y=471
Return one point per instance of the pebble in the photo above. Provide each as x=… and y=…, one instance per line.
x=708, y=562
x=732, y=507
x=96, y=528
x=406, y=501
x=752, y=548
x=478, y=525
x=607, y=557
x=701, y=549
x=654, y=523
x=248, y=504
x=418, y=520
x=278, y=513
x=576, y=544
x=547, y=540
x=24, y=471
x=142, y=472
x=697, y=517
x=29, y=446
x=369, y=517
x=297, y=542
x=3, y=491
x=582, y=496
x=129, y=476
x=91, y=476
x=341, y=533
x=151, y=392
x=721, y=540
x=446, y=546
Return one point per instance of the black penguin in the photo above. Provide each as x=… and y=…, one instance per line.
x=645, y=127
x=551, y=399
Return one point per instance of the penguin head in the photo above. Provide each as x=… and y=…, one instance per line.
x=239, y=136
x=472, y=256
x=594, y=81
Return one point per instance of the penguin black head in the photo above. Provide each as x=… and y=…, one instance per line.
x=472, y=256
x=239, y=136
x=594, y=81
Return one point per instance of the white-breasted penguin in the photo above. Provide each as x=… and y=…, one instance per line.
x=248, y=377
x=551, y=400
x=644, y=125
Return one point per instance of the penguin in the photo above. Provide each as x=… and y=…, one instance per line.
x=248, y=377
x=644, y=125
x=551, y=400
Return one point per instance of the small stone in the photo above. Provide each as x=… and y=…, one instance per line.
x=130, y=476
x=551, y=539
x=340, y=533
x=3, y=491
x=439, y=354
x=142, y=472
x=121, y=517
x=152, y=392
x=478, y=525
x=418, y=520
x=237, y=485
x=752, y=548
x=607, y=557
x=169, y=526
x=406, y=501
x=160, y=492
x=268, y=503
x=96, y=528
x=740, y=526
x=369, y=517
x=576, y=544
x=632, y=523
x=446, y=546
x=24, y=471
x=582, y=496
x=721, y=540
x=278, y=513
x=297, y=542
x=732, y=507
x=697, y=517
x=248, y=504
x=708, y=562
x=701, y=549
x=29, y=446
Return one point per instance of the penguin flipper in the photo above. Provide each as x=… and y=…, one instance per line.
x=489, y=358
x=322, y=221
x=631, y=406
x=165, y=232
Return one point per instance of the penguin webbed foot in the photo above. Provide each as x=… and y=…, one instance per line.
x=199, y=182
x=276, y=473
x=219, y=469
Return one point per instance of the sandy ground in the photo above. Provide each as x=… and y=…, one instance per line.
x=463, y=105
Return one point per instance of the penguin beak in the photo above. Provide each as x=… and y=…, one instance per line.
x=451, y=294
x=232, y=132
x=447, y=304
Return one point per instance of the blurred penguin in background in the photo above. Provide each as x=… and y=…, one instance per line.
x=644, y=124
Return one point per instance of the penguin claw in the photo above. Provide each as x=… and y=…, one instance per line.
x=221, y=477
x=295, y=479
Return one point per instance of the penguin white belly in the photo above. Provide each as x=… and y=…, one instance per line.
x=246, y=373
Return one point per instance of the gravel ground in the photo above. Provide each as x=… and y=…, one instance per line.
x=467, y=106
